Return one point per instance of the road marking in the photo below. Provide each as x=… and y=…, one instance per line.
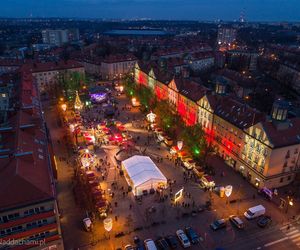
x=275, y=242
x=292, y=232
x=295, y=240
x=294, y=236
x=286, y=226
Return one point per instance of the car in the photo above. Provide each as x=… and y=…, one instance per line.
x=237, y=221
x=136, y=240
x=189, y=163
x=150, y=245
x=162, y=244
x=192, y=235
x=184, y=240
x=172, y=241
x=128, y=247
x=88, y=225
x=218, y=224
x=168, y=141
x=161, y=137
x=264, y=221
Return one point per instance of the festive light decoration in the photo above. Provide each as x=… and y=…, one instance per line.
x=98, y=97
x=78, y=104
x=64, y=107
x=179, y=145
x=86, y=158
x=196, y=151
x=135, y=102
x=228, y=190
x=178, y=195
x=151, y=117
x=108, y=224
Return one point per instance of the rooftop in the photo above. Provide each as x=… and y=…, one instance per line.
x=24, y=163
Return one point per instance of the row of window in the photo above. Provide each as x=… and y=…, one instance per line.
x=20, y=228
x=13, y=216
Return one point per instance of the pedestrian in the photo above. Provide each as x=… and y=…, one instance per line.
x=116, y=204
x=130, y=206
x=116, y=218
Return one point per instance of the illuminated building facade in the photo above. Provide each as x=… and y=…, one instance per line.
x=265, y=150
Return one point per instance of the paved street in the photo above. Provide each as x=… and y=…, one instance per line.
x=131, y=216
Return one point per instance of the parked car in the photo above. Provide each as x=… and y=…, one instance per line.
x=158, y=130
x=264, y=221
x=218, y=224
x=237, y=221
x=168, y=141
x=254, y=212
x=192, y=235
x=183, y=238
x=161, y=137
x=150, y=245
x=162, y=244
x=87, y=224
x=128, y=247
x=265, y=192
x=172, y=241
x=189, y=163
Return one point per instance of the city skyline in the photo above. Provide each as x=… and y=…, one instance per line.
x=255, y=10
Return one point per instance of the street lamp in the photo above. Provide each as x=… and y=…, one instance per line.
x=151, y=117
x=64, y=107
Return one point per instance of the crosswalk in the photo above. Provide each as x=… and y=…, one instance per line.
x=292, y=233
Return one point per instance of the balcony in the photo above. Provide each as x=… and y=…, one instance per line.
x=27, y=219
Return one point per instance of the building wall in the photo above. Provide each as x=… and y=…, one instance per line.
x=248, y=151
x=202, y=64
x=35, y=222
x=55, y=37
x=92, y=68
x=48, y=79
x=115, y=70
x=8, y=69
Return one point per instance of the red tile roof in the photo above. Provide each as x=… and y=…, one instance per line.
x=283, y=137
x=9, y=63
x=190, y=89
x=50, y=66
x=236, y=112
x=25, y=171
x=119, y=58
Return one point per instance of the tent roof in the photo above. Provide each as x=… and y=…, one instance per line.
x=142, y=169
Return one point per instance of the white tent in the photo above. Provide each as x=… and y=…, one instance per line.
x=142, y=174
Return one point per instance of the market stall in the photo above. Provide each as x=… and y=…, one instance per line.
x=141, y=174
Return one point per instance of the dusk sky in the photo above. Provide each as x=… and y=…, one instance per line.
x=255, y=10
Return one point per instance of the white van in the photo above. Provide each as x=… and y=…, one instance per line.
x=150, y=245
x=254, y=212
